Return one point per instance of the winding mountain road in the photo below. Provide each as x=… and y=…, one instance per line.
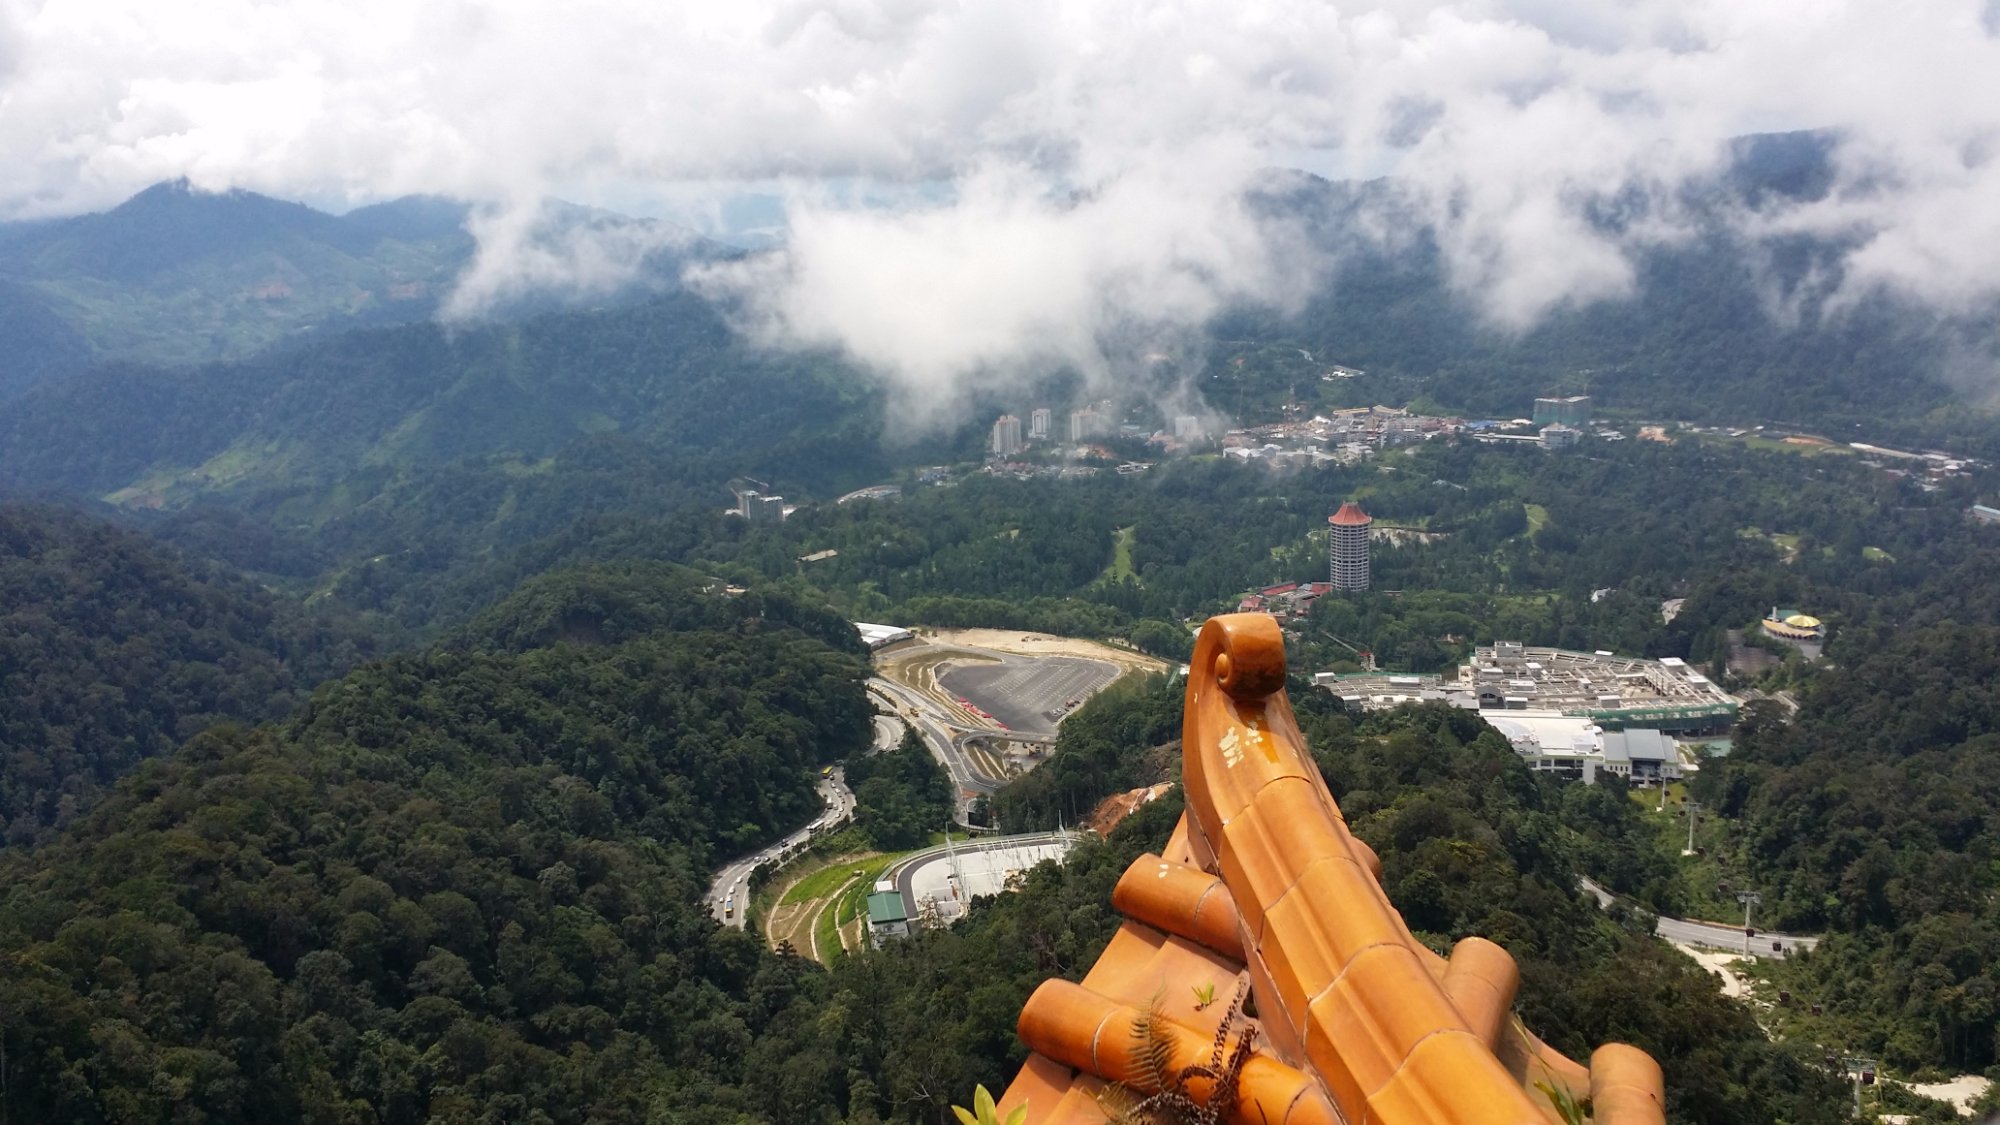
x=729, y=894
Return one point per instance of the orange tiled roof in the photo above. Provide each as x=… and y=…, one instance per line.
x=1349, y=515
x=1351, y=1019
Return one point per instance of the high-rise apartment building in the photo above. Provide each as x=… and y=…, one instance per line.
x=759, y=508
x=1347, y=547
x=1085, y=424
x=1006, y=436
x=1038, y=422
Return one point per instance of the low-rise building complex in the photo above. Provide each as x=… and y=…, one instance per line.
x=1568, y=711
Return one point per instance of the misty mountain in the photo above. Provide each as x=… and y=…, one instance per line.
x=417, y=397
x=1719, y=325
x=176, y=275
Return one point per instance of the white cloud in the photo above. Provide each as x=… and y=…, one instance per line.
x=1009, y=280
x=528, y=250
x=1503, y=119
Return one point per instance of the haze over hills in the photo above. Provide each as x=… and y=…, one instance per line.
x=389, y=705
x=1698, y=338
x=176, y=275
x=1724, y=321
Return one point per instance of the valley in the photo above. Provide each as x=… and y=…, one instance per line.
x=395, y=714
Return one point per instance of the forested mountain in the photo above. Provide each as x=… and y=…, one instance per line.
x=1700, y=337
x=1876, y=814
x=1721, y=325
x=177, y=275
x=453, y=885
x=465, y=884
x=113, y=649
x=346, y=413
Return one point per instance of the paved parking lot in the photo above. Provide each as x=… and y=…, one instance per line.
x=1029, y=694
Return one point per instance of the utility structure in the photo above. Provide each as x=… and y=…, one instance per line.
x=1748, y=899
x=1862, y=1071
x=1347, y=547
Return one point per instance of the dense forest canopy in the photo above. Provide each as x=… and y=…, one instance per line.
x=467, y=885
x=114, y=648
x=1875, y=814
x=451, y=885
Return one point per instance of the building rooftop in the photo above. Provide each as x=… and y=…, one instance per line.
x=886, y=908
x=1639, y=745
x=1349, y=515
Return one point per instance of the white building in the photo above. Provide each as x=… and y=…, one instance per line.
x=1006, y=436
x=759, y=508
x=1085, y=424
x=1559, y=436
x=1038, y=422
x=876, y=636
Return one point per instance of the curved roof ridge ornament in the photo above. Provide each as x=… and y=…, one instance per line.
x=1357, y=1020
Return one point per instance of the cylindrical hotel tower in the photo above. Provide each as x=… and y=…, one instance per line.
x=1347, y=547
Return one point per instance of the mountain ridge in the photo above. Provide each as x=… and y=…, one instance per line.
x=176, y=275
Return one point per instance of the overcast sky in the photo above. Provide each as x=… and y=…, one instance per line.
x=1062, y=166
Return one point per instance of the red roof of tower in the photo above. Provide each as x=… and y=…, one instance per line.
x=1349, y=515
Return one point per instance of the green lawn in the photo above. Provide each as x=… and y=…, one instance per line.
x=1650, y=798
x=826, y=933
x=1538, y=517
x=824, y=882
x=1121, y=555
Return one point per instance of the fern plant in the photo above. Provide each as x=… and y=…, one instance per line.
x=1163, y=1096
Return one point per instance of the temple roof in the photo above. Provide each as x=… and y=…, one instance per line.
x=1262, y=974
x=1349, y=515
